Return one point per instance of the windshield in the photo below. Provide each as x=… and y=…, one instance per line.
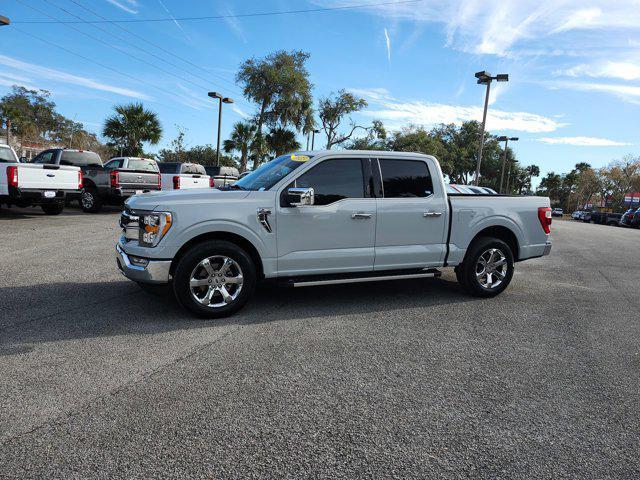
x=267, y=175
x=7, y=155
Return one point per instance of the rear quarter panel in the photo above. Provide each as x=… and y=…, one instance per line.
x=472, y=214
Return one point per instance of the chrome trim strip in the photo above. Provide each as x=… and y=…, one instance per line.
x=363, y=279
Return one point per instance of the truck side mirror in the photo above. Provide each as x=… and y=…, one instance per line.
x=24, y=160
x=298, y=197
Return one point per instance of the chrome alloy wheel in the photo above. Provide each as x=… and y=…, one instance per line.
x=216, y=281
x=491, y=268
x=87, y=199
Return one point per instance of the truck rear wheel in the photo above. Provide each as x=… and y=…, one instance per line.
x=52, y=208
x=487, y=269
x=89, y=200
x=214, y=279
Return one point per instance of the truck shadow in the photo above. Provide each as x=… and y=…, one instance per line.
x=69, y=311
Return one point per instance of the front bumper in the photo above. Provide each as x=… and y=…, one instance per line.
x=155, y=271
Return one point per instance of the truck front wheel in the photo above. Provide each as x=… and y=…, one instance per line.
x=214, y=279
x=487, y=269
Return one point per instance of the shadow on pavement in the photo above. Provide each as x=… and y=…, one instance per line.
x=67, y=311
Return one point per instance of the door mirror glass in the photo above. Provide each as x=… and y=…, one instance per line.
x=298, y=197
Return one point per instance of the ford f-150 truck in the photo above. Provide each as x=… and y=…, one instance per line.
x=314, y=218
x=109, y=184
x=25, y=184
x=184, y=176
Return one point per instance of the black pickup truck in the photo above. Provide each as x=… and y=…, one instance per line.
x=105, y=184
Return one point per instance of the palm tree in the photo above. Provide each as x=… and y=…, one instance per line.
x=240, y=141
x=131, y=126
x=281, y=141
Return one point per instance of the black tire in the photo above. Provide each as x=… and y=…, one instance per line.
x=191, y=260
x=52, y=208
x=90, y=200
x=467, y=271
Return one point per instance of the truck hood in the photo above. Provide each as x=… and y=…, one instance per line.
x=160, y=200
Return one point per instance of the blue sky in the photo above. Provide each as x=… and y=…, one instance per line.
x=574, y=65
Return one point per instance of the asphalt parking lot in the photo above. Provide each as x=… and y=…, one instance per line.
x=407, y=379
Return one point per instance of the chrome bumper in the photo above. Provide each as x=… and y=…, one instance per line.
x=547, y=249
x=155, y=271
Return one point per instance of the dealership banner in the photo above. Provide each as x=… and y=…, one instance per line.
x=632, y=198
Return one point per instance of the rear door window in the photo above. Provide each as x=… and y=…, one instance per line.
x=7, y=156
x=405, y=178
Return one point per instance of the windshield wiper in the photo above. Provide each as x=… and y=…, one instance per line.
x=237, y=187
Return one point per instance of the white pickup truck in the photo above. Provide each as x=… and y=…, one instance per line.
x=315, y=218
x=26, y=184
x=184, y=176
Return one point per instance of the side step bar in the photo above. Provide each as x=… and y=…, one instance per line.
x=374, y=278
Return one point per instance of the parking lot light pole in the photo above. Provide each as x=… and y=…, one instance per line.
x=313, y=138
x=485, y=78
x=221, y=100
x=504, y=156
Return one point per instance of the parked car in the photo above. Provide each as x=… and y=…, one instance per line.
x=222, y=176
x=635, y=220
x=27, y=184
x=557, y=212
x=576, y=215
x=109, y=184
x=470, y=189
x=326, y=217
x=586, y=216
x=244, y=174
x=184, y=176
x=605, y=218
x=631, y=218
x=625, y=220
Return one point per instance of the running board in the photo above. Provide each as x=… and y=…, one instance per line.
x=377, y=278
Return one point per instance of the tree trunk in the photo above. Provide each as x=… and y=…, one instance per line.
x=243, y=159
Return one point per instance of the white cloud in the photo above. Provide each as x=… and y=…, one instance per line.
x=388, y=40
x=128, y=6
x=396, y=114
x=41, y=72
x=501, y=26
x=234, y=25
x=621, y=70
x=627, y=93
x=583, y=141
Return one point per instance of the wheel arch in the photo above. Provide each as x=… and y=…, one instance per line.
x=234, y=238
x=501, y=233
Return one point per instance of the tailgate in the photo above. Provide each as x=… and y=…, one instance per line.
x=133, y=180
x=188, y=181
x=47, y=177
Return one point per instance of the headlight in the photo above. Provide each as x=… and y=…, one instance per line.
x=153, y=226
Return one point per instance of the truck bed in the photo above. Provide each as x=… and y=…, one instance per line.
x=471, y=214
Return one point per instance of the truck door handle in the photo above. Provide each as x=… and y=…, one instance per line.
x=361, y=216
x=432, y=214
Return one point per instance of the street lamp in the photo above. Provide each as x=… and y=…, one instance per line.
x=504, y=155
x=221, y=101
x=4, y=21
x=485, y=78
x=313, y=138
